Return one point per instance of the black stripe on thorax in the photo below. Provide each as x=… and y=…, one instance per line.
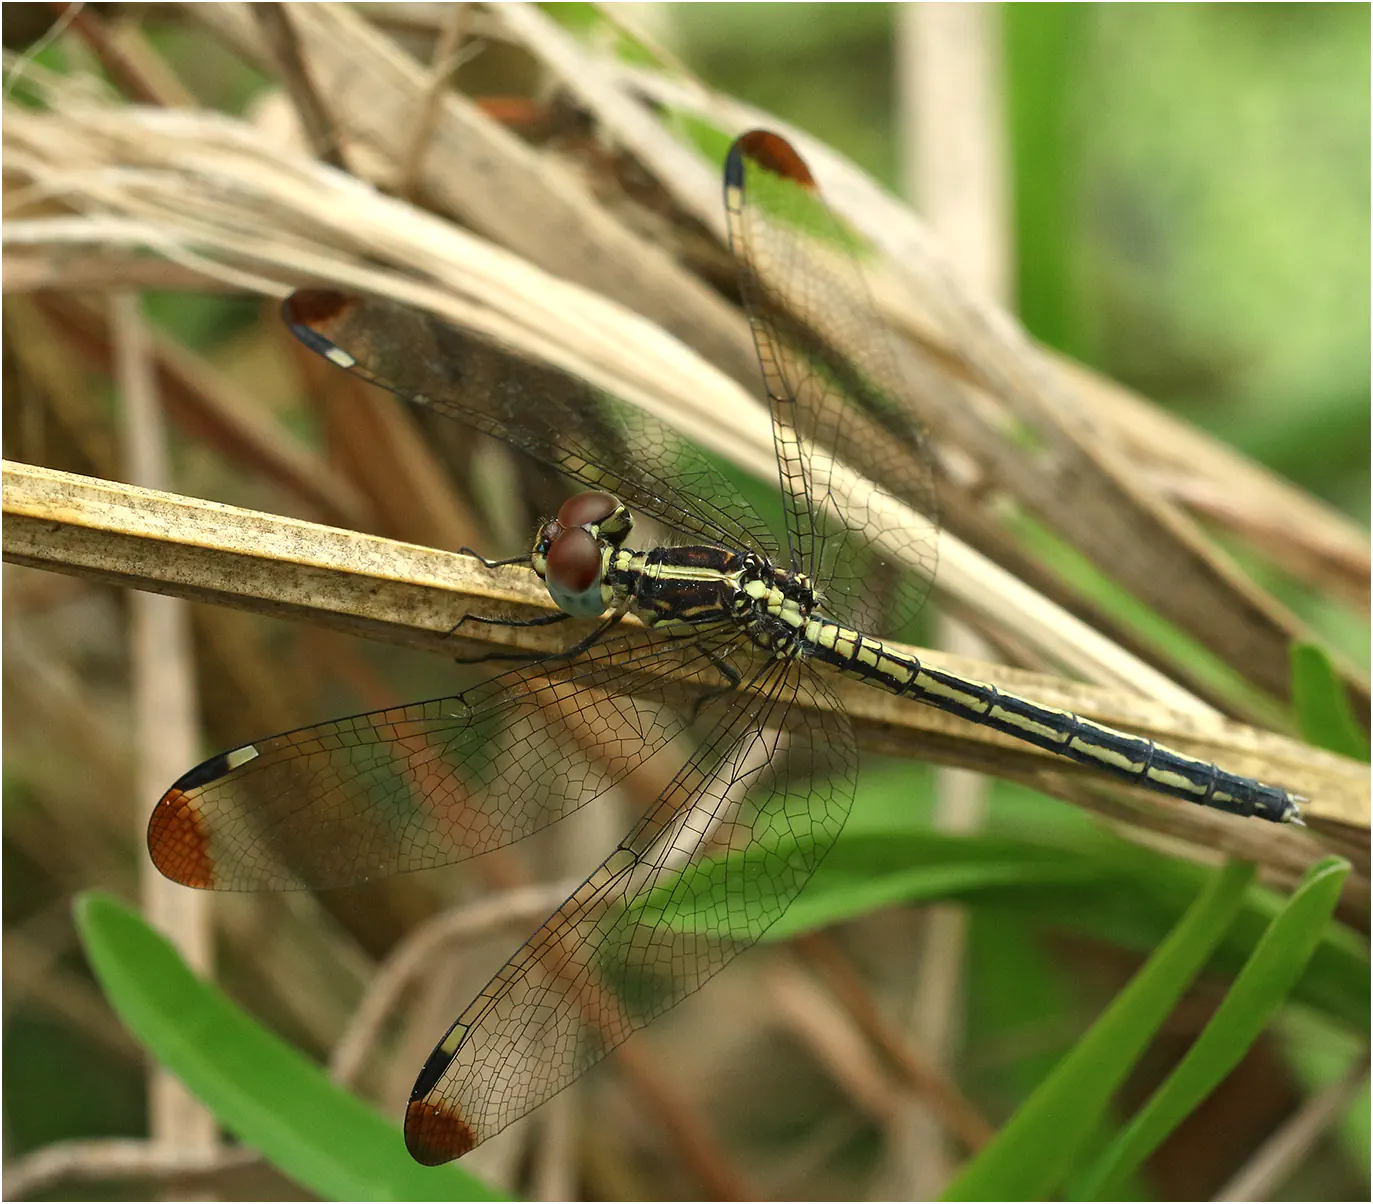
x=688, y=584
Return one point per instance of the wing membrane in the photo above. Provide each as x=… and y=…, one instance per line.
x=586, y=433
x=828, y=370
x=418, y=786
x=762, y=803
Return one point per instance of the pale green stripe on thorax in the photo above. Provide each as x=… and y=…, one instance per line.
x=624, y=561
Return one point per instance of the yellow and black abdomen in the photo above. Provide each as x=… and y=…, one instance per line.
x=1133, y=758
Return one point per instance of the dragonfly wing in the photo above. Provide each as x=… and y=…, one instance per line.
x=829, y=372
x=418, y=786
x=585, y=432
x=718, y=858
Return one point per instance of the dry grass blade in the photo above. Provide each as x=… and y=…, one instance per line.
x=206, y=191
x=166, y=719
x=1270, y=1167
x=112, y=1159
x=415, y=956
x=1307, y=537
x=126, y=73
x=410, y=595
x=828, y=961
x=484, y=175
x=274, y=21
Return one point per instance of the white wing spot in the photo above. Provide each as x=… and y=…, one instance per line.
x=240, y=756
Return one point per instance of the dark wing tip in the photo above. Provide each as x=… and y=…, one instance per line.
x=177, y=841
x=734, y=165
x=434, y=1134
x=772, y=153
x=313, y=313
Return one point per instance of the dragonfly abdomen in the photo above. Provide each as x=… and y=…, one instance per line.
x=1134, y=758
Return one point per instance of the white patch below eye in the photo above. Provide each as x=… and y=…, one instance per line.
x=340, y=357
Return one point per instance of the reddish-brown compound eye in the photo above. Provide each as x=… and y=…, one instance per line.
x=573, y=572
x=592, y=507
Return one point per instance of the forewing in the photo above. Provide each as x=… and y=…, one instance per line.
x=418, y=786
x=829, y=370
x=724, y=851
x=586, y=433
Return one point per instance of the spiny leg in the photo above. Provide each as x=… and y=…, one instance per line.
x=732, y=678
x=565, y=654
x=541, y=621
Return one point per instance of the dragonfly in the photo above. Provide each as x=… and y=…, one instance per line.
x=743, y=627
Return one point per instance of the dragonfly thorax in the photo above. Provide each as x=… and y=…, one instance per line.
x=776, y=605
x=572, y=551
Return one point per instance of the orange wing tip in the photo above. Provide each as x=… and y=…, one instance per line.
x=435, y=1134
x=177, y=841
x=774, y=153
x=314, y=307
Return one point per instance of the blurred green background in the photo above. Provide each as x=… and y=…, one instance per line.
x=1191, y=192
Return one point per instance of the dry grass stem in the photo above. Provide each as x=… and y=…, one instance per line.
x=821, y=1027
x=114, y=1159
x=165, y=713
x=278, y=32
x=416, y=955
x=921, y=1075
x=312, y=223
x=954, y=168
x=1264, y=1175
x=447, y=56
x=405, y=594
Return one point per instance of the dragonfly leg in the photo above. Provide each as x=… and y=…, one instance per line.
x=495, y=564
x=727, y=671
x=566, y=654
x=541, y=621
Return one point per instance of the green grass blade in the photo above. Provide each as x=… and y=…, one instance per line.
x=1323, y=711
x=1261, y=987
x=260, y=1088
x=1034, y=1153
x=1105, y=889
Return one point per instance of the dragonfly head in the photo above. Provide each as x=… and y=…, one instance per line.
x=571, y=551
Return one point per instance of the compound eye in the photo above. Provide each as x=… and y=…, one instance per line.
x=573, y=572
x=587, y=508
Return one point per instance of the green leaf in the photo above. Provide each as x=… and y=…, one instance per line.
x=1034, y=1152
x=871, y=871
x=1265, y=982
x=260, y=1088
x=1102, y=887
x=1324, y=715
